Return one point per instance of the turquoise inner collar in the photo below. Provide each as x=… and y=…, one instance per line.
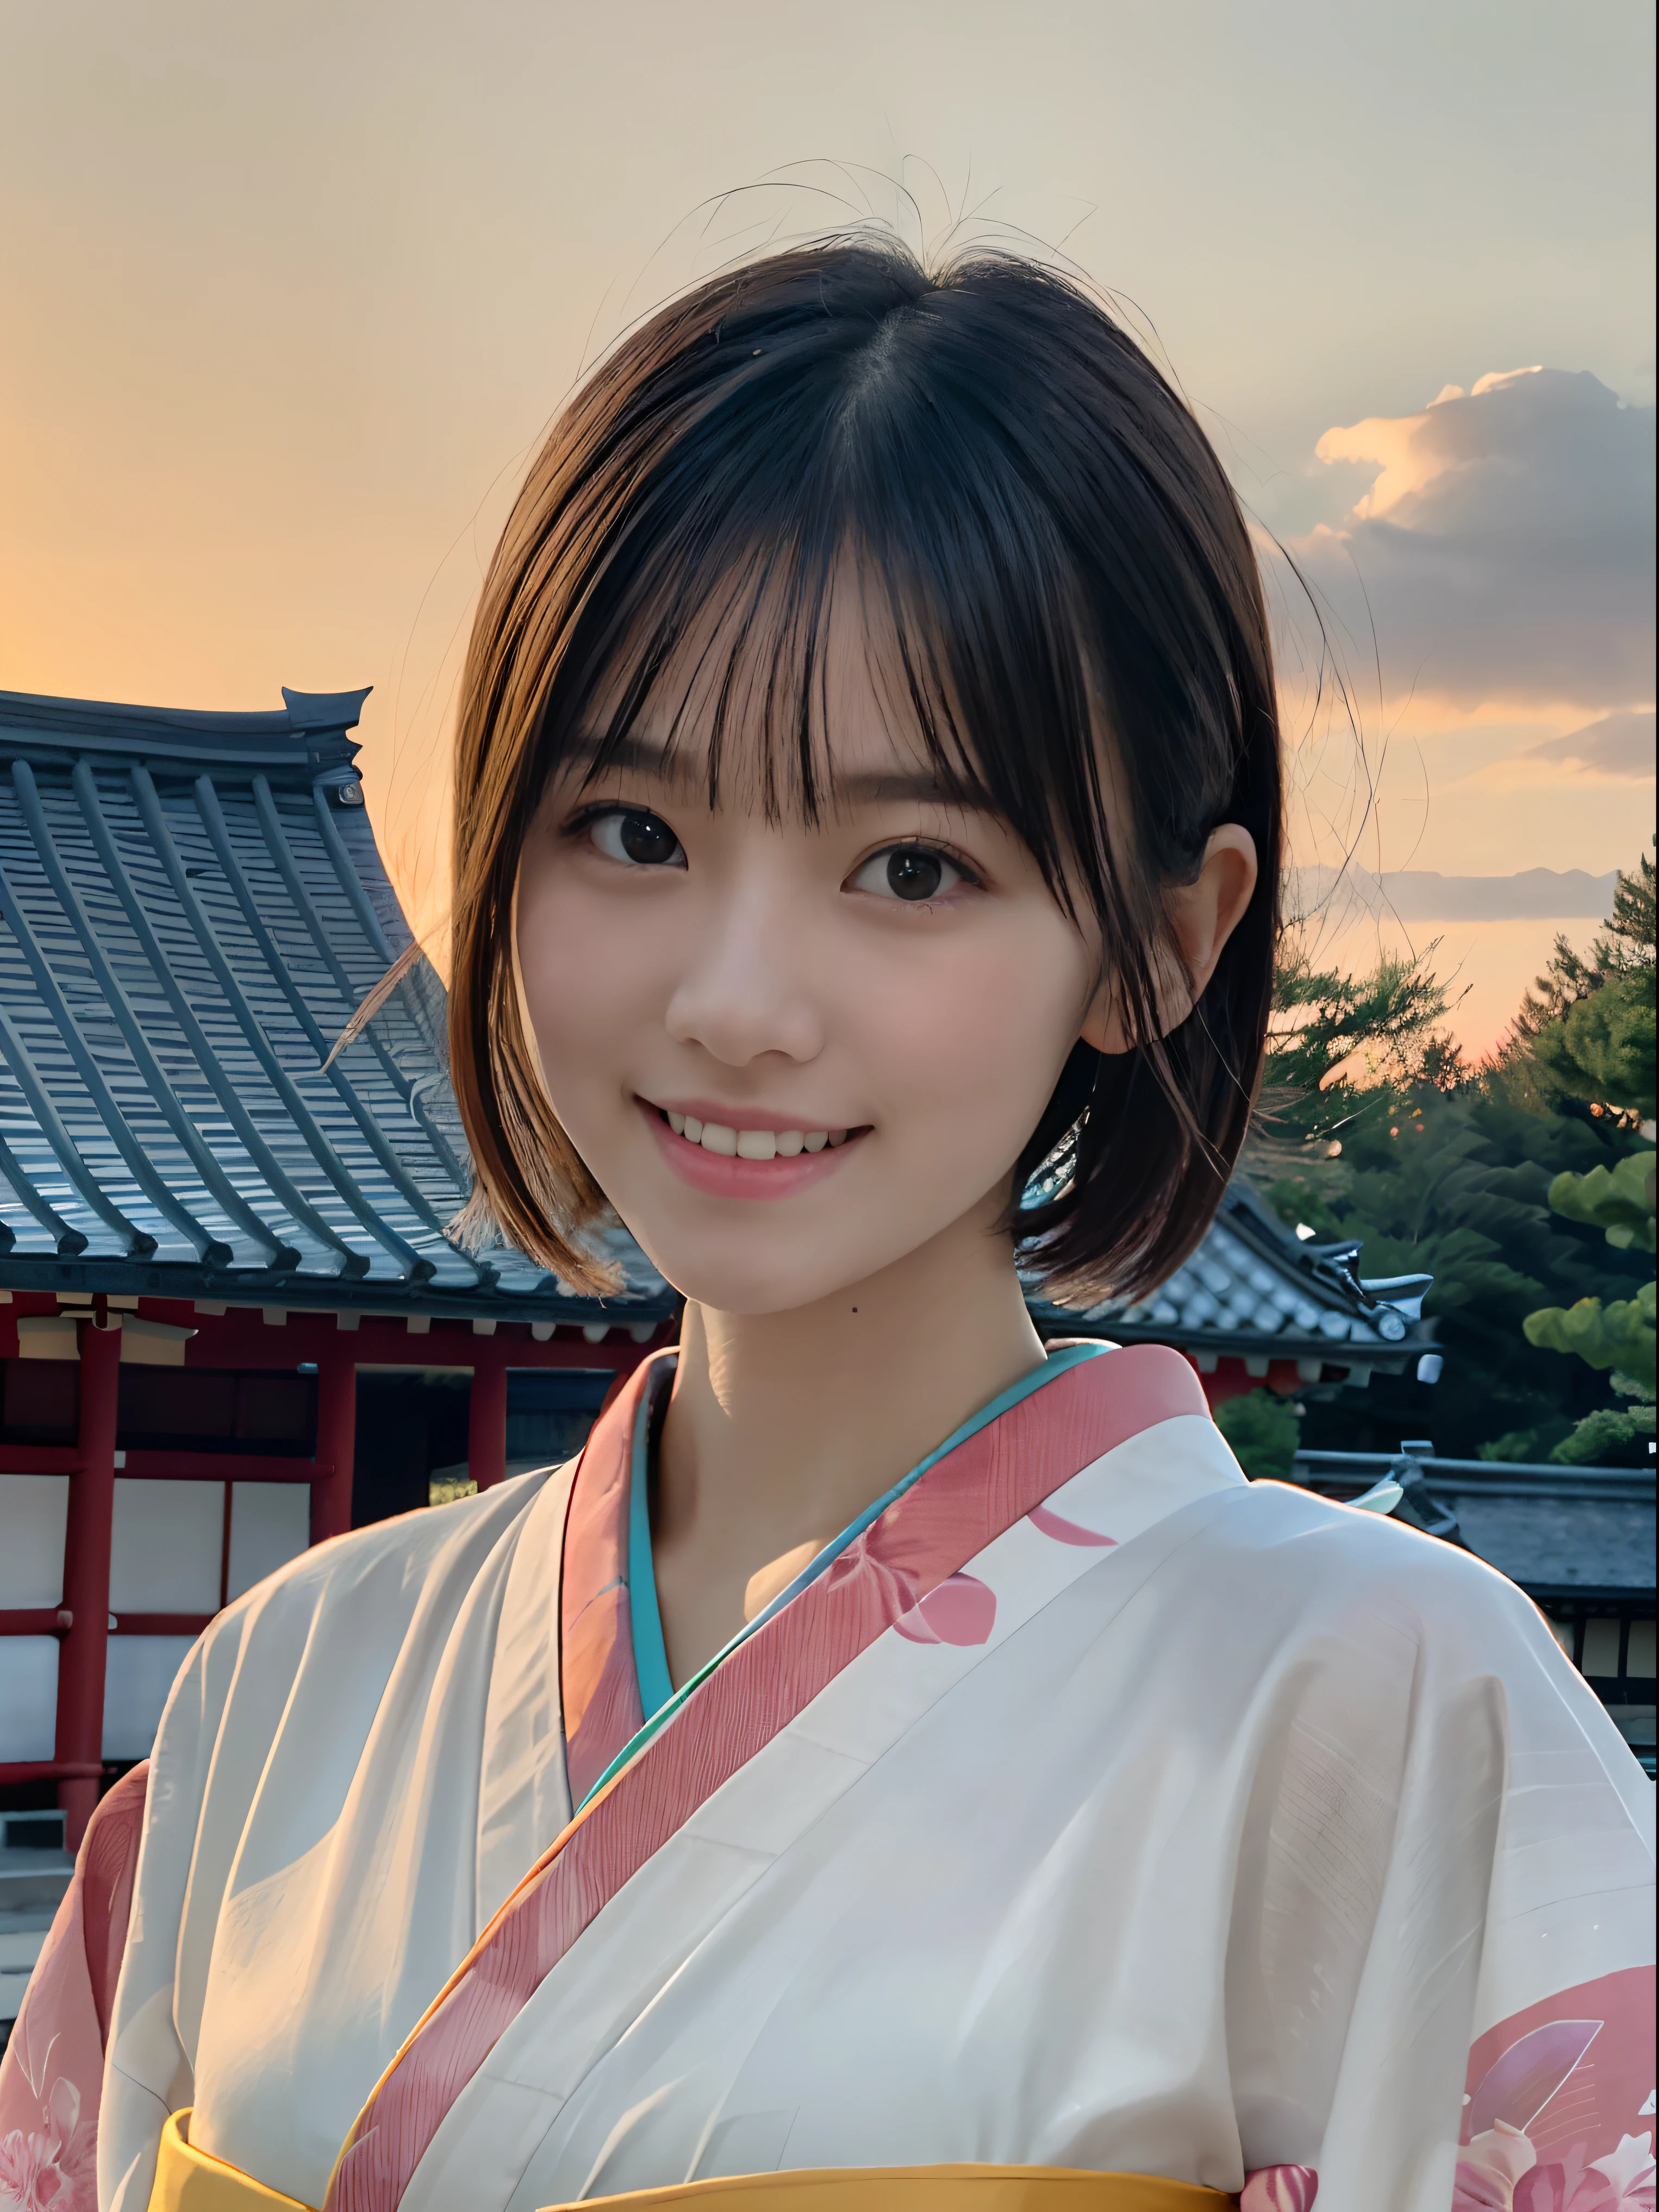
x=650, y=1652
x=658, y=1700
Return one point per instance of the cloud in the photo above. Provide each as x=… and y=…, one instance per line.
x=1618, y=745
x=1505, y=549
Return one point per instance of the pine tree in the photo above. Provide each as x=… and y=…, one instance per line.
x=1373, y=1126
x=1585, y=1030
x=1599, y=1049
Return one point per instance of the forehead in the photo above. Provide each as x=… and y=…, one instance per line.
x=790, y=703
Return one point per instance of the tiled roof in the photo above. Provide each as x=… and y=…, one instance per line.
x=1564, y=1540
x=1253, y=1291
x=1547, y=1527
x=192, y=907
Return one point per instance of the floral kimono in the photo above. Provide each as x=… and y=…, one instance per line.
x=1086, y=1827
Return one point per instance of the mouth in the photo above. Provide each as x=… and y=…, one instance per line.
x=763, y=1158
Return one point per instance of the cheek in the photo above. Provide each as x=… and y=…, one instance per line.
x=975, y=1043
x=586, y=987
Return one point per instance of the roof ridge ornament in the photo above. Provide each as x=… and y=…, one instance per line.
x=325, y=710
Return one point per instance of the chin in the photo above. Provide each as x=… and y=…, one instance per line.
x=762, y=1286
x=758, y=1274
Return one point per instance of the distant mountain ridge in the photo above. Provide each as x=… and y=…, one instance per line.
x=1424, y=895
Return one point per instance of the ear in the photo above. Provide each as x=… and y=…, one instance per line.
x=1202, y=914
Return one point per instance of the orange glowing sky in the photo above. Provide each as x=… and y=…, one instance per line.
x=290, y=293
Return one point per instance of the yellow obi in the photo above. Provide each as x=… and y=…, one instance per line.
x=926, y=2189
x=188, y=2180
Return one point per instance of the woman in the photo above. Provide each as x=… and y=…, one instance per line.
x=892, y=1765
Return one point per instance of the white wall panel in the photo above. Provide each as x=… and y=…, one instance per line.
x=29, y=1696
x=33, y=1509
x=269, y=1524
x=167, y=1540
x=137, y=1675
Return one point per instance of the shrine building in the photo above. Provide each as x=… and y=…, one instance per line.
x=233, y=1319
x=230, y=1309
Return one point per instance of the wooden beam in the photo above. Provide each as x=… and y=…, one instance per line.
x=34, y=1620
x=49, y=1770
x=486, y=1419
x=337, y=1436
x=39, y=1459
x=80, y=1737
x=223, y=1466
x=159, y=1624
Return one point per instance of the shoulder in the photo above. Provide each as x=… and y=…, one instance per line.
x=1315, y=1545
x=352, y=1599
x=304, y=1658
x=401, y=1553
x=1360, y=1583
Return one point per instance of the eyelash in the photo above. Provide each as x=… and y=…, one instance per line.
x=970, y=878
x=582, y=825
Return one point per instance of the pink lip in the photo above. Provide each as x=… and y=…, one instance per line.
x=732, y=1178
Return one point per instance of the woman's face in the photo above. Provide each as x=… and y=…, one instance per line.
x=790, y=1055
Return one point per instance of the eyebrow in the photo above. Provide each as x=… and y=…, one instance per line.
x=870, y=788
x=630, y=753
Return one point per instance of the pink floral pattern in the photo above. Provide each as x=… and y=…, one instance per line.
x=52, y=2167
x=1064, y=1531
x=53, y=2070
x=962, y=1610
x=1554, y=2102
x=920, y=1542
x=1279, y=2189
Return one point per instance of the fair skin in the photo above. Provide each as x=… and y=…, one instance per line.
x=850, y=1300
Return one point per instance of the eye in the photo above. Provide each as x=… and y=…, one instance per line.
x=636, y=838
x=911, y=873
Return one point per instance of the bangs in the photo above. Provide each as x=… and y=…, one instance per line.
x=807, y=521
x=740, y=677
x=970, y=493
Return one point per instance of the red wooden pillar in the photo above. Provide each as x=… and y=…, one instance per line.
x=82, y=1655
x=337, y=1437
x=486, y=1418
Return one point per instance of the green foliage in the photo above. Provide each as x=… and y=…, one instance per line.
x=1603, y=1048
x=1585, y=1030
x=1342, y=1044
x=1456, y=1187
x=1627, y=945
x=1611, y=1435
x=1535, y=1444
x=1263, y=1430
x=1633, y=918
x=1376, y=1130
x=1620, y=1435
x=1600, y=1047
x=1619, y=1200
x=1619, y=1335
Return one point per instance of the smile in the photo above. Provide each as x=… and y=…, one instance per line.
x=750, y=1144
x=725, y=1161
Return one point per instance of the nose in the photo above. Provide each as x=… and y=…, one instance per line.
x=744, y=987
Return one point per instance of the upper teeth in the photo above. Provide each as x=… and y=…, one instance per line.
x=750, y=1144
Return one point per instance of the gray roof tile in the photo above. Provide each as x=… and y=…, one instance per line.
x=192, y=907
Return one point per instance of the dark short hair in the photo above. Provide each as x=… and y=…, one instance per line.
x=1080, y=632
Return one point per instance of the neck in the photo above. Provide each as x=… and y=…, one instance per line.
x=783, y=1426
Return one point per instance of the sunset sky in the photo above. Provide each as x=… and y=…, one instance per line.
x=291, y=293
